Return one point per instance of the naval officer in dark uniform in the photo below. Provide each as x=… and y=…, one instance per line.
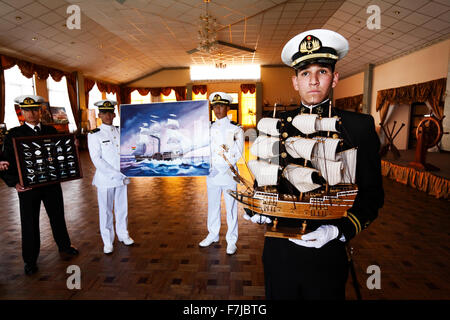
x=316, y=267
x=30, y=198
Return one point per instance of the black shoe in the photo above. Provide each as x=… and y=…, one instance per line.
x=30, y=268
x=70, y=251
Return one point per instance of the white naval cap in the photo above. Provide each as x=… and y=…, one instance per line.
x=29, y=101
x=105, y=105
x=314, y=46
x=220, y=98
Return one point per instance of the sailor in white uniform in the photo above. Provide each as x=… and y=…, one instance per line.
x=228, y=138
x=104, y=144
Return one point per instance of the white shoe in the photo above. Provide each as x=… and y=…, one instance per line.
x=208, y=241
x=127, y=241
x=231, y=248
x=107, y=249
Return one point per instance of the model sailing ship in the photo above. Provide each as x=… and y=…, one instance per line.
x=324, y=190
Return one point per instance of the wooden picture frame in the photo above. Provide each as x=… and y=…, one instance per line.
x=48, y=159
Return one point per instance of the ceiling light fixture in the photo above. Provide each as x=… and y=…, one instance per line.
x=231, y=72
x=221, y=65
x=34, y=38
x=207, y=33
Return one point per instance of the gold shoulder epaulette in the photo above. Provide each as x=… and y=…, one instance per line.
x=95, y=130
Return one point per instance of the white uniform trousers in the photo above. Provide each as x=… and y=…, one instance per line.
x=109, y=199
x=214, y=198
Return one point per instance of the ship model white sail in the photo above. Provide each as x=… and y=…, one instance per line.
x=330, y=200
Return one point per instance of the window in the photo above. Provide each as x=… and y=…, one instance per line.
x=170, y=98
x=136, y=97
x=59, y=97
x=16, y=84
x=94, y=96
x=113, y=96
x=248, y=108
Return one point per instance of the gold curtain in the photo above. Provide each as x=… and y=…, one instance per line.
x=250, y=87
x=353, y=103
x=71, y=79
x=143, y=91
x=180, y=93
x=125, y=95
x=88, y=85
x=420, y=180
x=199, y=88
x=431, y=91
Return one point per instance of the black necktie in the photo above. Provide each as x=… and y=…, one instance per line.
x=37, y=129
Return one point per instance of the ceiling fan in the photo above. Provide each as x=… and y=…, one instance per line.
x=226, y=44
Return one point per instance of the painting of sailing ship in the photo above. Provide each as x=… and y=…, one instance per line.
x=167, y=139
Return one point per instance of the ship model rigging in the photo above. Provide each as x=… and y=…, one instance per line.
x=323, y=176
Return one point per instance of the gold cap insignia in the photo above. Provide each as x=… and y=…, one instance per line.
x=29, y=101
x=216, y=97
x=310, y=44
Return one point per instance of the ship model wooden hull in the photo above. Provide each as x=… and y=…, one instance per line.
x=315, y=207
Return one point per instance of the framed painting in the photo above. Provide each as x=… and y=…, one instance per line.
x=167, y=139
x=59, y=115
x=47, y=159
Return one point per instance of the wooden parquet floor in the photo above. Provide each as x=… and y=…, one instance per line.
x=167, y=218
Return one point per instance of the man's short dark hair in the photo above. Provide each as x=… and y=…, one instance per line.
x=330, y=66
x=32, y=108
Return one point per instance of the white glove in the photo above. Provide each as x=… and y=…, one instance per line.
x=256, y=218
x=320, y=237
x=118, y=176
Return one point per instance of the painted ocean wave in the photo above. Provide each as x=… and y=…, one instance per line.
x=163, y=168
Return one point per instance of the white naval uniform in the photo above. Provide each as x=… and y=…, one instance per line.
x=111, y=188
x=221, y=179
